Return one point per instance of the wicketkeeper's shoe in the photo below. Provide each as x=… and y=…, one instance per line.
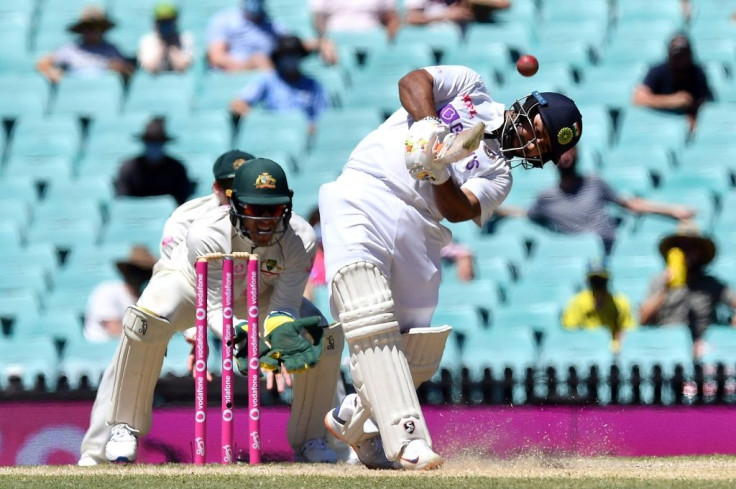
x=122, y=445
x=416, y=455
x=316, y=451
x=369, y=451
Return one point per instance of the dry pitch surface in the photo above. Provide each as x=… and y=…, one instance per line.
x=460, y=472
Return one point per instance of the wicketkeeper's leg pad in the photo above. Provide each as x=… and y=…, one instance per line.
x=313, y=391
x=380, y=372
x=138, y=361
x=423, y=348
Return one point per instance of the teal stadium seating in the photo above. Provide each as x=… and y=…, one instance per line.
x=165, y=93
x=498, y=349
x=89, y=96
x=86, y=359
x=15, y=362
x=720, y=348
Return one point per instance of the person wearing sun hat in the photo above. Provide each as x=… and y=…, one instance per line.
x=109, y=299
x=154, y=172
x=166, y=48
x=685, y=293
x=91, y=54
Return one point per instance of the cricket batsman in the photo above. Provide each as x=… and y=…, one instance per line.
x=445, y=154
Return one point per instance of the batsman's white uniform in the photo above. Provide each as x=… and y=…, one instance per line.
x=382, y=237
x=284, y=269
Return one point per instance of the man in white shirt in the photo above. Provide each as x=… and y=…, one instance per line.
x=382, y=238
x=109, y=300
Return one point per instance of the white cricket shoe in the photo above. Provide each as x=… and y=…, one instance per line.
x=369, y=452
x=416, y=455
x=89, y=461
x=122, y=445
x=316, y=451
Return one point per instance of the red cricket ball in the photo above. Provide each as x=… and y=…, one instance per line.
x=527, y=65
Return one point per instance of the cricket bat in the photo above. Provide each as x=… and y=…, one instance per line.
x=457, y=146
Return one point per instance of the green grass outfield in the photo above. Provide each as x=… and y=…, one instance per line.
x=540, y=472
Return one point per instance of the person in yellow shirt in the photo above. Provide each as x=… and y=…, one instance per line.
x=597, y=307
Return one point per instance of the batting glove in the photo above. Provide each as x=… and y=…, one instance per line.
x=423, y=140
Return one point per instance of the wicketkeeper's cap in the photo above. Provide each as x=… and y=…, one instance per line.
x=227, y=163
x=261, y=182
x=562, y=119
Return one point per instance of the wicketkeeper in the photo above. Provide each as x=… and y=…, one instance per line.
x=258, y=220
x=446, y=154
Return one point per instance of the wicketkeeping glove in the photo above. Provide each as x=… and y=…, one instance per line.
x=423, y=141
x=241, y=352
x=288, y=346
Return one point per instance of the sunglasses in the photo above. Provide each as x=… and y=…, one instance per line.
x=254, y=210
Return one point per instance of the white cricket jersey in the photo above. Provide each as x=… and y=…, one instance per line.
x=177, y=225
x=284, y=266
x=461, y=100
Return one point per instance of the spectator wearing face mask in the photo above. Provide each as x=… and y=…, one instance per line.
x=166, y=48
x=103, y=318
x=153, y=172
x=286, y=88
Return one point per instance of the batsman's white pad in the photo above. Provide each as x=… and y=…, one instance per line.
x=138, y=363
x=423, y=348
x=313, y=391
x=378, y=366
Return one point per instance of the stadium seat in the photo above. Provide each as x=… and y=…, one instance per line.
x=124, y=126
x=175, y=361
x=491, y=61
x=498, y=349
x=540, y=318
x=166, y=93
x=86, y=359
x=647, y=346
x=465, y=322
x=340, y=129
x=483, y=295
x=720, y=348
x=30, y=95
x=580, y=349
x=21, y=188
x=141, y=209
x=218, y=88
x=439, y=36
x=16, y=212
x=261, y=129
x=36, y=254
x=10, y=237
x=627, y=11
x=517, y=35
x=63, y=211
x=89, y=96
x=21, y=277
x=15, y=361
x=61, y=326
x=87, y=188
x=631, y=181
x=64, y=236
x=641, y=125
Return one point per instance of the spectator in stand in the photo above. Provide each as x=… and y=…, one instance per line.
x=90, y=55
x=597, y=306
x=347, y=15
x=317, y=275
x=462, y=12
x=154, y=172
x=685, y=293
x=463, y=259
x=103, y=319
x=578, y=204
x=285, y=89
x=166, y=48
x=242, y=38
x=677, y=85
